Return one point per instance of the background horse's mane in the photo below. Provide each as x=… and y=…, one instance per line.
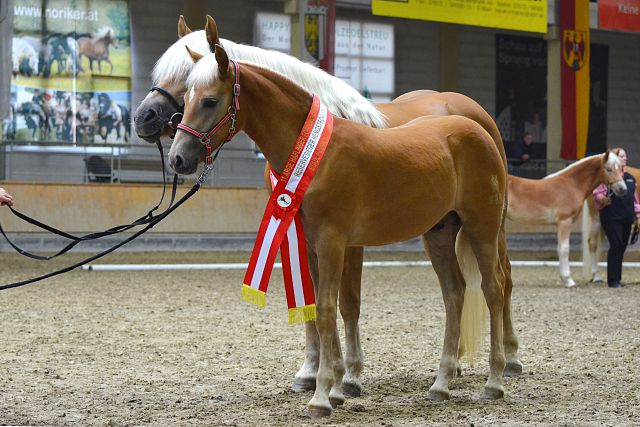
x=104, y=31
x=343, y=100
x=579, y=163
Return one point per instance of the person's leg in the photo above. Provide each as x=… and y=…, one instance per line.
x=626, y=232
x=614, y=232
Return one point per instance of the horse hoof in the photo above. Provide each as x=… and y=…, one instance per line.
x=336, y=401
x=570, y=284
x=319, y=411
x=597, y=279
x=492, y=393
x=458, y=371
x=301, y=385
x=438, y=395
x=513, y=369
x=352, y=389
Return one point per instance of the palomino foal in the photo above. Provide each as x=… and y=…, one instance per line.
x=436, y=168
x=156, y=109
x=558, y=198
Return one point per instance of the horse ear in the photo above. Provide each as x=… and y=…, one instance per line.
x=194, y=55
x=212, y=33
x=222, y=59
x=183, y=29
x=606, y=156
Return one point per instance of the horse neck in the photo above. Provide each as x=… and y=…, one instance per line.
x=586, y=176
x=272, y=112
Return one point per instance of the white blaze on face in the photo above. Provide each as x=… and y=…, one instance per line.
x=192, y=94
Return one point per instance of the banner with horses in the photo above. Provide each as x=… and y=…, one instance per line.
x=71, y=72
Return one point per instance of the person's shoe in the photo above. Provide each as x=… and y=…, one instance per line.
x=616, y=285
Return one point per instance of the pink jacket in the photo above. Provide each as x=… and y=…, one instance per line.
x=601, y=190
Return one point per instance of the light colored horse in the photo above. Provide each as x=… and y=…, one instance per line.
x=24, y=57
x=156, y=109
x=592, y=234
x=96, y=48
x=436, y=168
x=557, y=199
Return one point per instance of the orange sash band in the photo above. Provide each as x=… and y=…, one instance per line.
x=281, y=227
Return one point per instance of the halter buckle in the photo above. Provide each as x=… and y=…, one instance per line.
x=236, y=89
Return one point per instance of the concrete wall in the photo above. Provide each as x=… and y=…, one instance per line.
x=94, y=207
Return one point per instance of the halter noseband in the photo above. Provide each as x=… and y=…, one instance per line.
x=175, y=117
x=234, y=107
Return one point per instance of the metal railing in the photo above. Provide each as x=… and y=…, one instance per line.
x=237, y=166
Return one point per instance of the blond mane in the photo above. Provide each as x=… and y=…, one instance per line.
x=175, y=65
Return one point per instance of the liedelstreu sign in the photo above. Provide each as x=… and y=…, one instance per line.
x=522, y=15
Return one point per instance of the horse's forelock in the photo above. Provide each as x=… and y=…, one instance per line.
x=204, y=73
x=175, y=64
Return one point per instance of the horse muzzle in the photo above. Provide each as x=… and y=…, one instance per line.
x=619, y=188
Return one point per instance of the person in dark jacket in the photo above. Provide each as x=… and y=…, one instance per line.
x=617, y=215
x=524, y=150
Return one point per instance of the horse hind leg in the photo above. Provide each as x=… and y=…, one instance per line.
x=439, y=242
x=483, y=230
x=513, y=365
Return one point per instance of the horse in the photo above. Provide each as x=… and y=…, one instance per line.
x=157, y=108
x=113, y=116
x=592, y=234
x=97, y=48
x=24, y=58
x=557, y=199
x=30, y=109
x=438, y=168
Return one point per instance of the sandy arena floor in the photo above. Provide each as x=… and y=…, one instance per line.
x=181, y=348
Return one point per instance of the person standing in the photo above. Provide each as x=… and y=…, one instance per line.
x=617, y=215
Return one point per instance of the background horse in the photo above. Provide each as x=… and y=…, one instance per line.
x=557, y=199
x=24, y=58
x=97, y=48
x=113, y=116
x=437, y=168
x=154, y=112
x=592, y=234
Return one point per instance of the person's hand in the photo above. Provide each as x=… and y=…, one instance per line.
x=604, y=200
x=5, y=198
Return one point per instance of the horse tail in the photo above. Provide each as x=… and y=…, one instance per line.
x=474, y=309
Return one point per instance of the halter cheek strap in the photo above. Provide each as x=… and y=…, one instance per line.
x=234, y=107
x=175, y=117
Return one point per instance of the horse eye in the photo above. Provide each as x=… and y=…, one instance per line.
x=209, y=102
x=609, y=170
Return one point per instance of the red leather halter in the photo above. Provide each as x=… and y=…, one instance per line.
x=234, y=107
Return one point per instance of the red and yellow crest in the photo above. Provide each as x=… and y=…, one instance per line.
x=575, y=48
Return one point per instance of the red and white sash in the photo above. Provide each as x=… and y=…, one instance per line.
x=281, y=227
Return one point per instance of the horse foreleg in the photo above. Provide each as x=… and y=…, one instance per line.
x=594, y=246
x=564, y=232
x=330, y=254
x=439, y=242
x=110, y=63
x=305, y=378
x=349, y=301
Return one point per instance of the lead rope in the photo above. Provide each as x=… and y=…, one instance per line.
x=149, y=219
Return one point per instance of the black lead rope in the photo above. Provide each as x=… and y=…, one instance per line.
x=148, y=219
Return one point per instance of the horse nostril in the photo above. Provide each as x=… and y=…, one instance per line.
x=150, y=115
x=176, y=162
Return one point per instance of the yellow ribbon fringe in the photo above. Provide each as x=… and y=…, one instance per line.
x=254, y=296
x=302, y=314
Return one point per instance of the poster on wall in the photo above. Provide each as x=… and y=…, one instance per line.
x=71, y=68
x=521, y=102
x=598, y=99
x=365, y=57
